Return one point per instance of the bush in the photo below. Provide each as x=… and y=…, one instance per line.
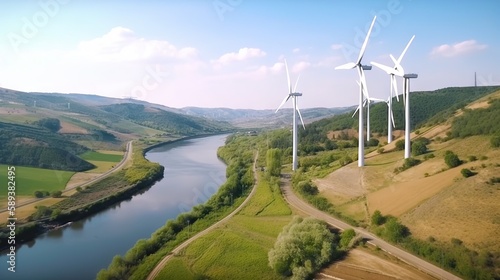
x=400, y=145
x=307, y=188
x=495, y=141
x=451, y=159
x=380, y=150
x=377, y=218
x=472, y=158
x=467, y=173
x=372, y=142
x=56, y=194
x=429, y=156
x=346, y=236
x=418, y=148
x=302, y=248
x=345, y=160
x=38, y=194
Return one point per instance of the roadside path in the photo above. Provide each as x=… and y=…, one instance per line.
x=154, y=273
x=410, y=259
x=126, y=157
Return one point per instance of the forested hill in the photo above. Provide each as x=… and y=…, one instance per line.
x=166, y=121
x=25, y=145
x=426, y=107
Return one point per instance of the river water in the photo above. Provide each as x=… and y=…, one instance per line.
x=193, y=173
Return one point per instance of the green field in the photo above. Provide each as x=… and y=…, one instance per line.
x=239, y=248
x=30, y=179
x=97, y=156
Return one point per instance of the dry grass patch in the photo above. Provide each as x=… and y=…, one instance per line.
x=67, y=127
x=365, y=263
x=80, y=178
x=24, y=212
x=468, y=211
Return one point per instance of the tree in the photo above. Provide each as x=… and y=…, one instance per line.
x=400, y=145
x=377, y=218
x=56, y=194
x=418, y=148
x=38, y=194
x=451, y=159
x=302, y=248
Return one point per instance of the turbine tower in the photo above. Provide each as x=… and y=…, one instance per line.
x=407, y=112
x=362, y=90
x=397, y=70
x=293, y=94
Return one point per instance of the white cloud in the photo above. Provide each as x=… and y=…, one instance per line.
x=122, y=44
x=242, y=54
x=275, y=68
x=300, y=66
x=458, y=48
x=296, y=50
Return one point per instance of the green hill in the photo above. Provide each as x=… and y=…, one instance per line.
x=428, y=107
x=165, y=120
x=25, y=145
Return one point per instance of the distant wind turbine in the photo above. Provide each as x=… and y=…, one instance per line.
x=362, y=91
x=397, y=70
x=293, y=94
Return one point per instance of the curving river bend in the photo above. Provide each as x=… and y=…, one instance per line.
x=193, y=173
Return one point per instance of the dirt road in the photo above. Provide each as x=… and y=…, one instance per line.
x=304, y=207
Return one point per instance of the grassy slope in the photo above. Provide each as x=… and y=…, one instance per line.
x=98, y=156
x=29, y=180
x=238, y=250
x=431, y=199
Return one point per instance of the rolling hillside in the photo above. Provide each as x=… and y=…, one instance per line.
x=451, y=215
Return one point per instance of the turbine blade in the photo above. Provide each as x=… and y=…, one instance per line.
x=363, y=82
x=385, y=68
x=296, y=83
x=392, y=118
x=300, y=116
x=399, y=71
x=363, y=47
x=355, y=112
x=283, y=103
x=349, y=65
x=394, y=85
x=288, y=78
x=404, y=51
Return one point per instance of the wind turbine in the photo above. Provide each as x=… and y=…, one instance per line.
x=397, y=70
x=293, y=94
x=362, y=90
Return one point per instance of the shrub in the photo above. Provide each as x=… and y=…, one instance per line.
x=56, y=194
x=451, y=159
x=380, y=150
x=472, y=158
x=418, y=148
x=345, y=160
x=345, y=237
x=307, y=187
x=302, y=248
x=495, y=141
x=467, y=173
x=372, y=142
x=400, y=145
x=38, y=194
x=377, y=218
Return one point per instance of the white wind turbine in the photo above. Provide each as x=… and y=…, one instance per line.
x=397, y=70
x=293, y=94
x=362, y=90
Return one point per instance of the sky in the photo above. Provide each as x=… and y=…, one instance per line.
x=231, y=53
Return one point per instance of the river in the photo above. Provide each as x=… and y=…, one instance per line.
x=193, y=173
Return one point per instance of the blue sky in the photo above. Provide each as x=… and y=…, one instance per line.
x=229, y=53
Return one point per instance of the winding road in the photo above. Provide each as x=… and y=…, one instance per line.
x=183, y=245
x=410, y=259
x=126, y=157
